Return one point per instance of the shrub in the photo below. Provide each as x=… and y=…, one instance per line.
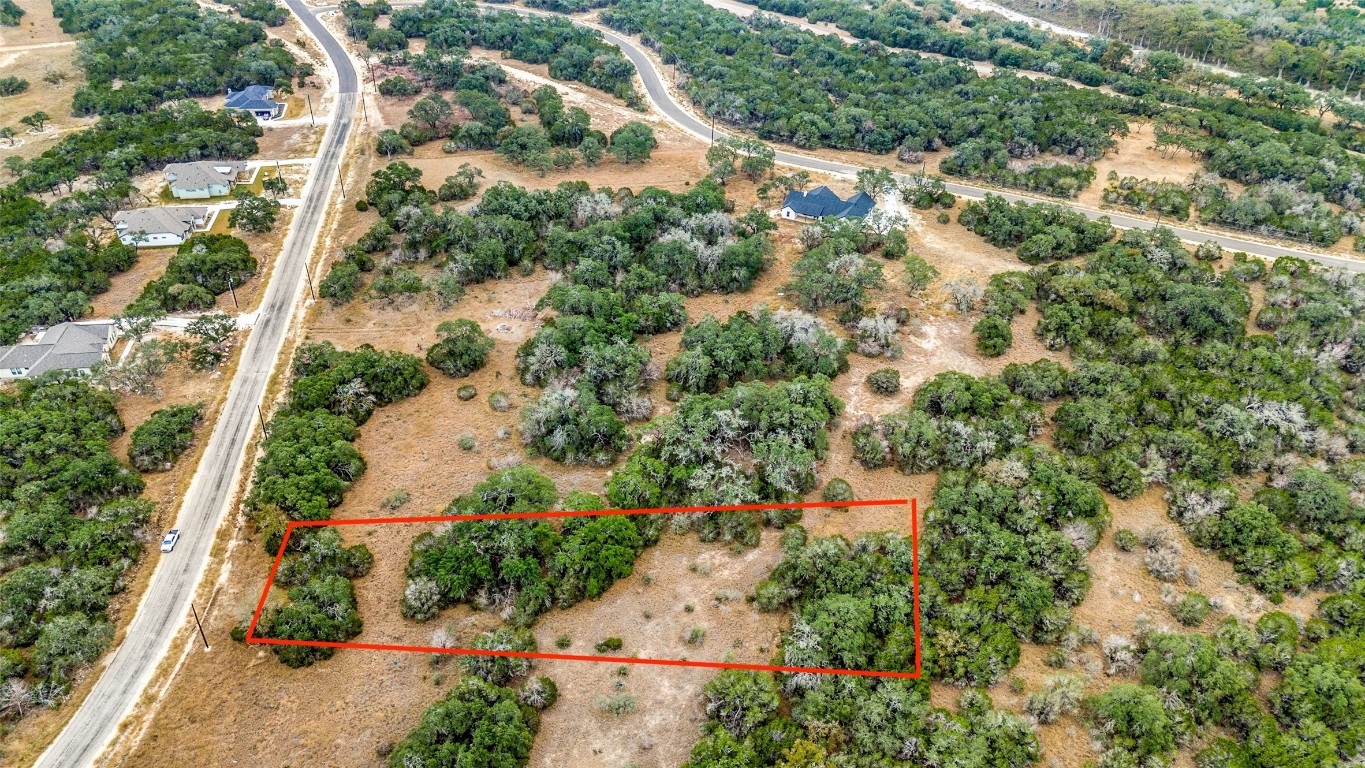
x=321, y=609
x=398, y=86
x=462, y=349
x=1131, y=718
x=499, y=670
x=572, y=427
x=758, y=345
x=341, y=283
x=539, y=693
x=476, y=724
x=1125, y=540
x=1060, y=696
x=993, y=336
x=632, y=142
x=609, y=644
x=12, y=86
x=884, y=381
x=741, y=700
x=838, y=489
x=167, y=433
x=620, y=704
x=1192, y=609
x=467, y=392
x=499, y=401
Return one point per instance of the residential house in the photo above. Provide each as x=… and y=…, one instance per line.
x=211, y=178
x=156, y=227
x=76, y=347
x=822, y=203
x=256, y=99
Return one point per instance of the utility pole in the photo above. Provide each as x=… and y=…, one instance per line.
x=713, y=129
x=363, y=111
x=201, y=627
x=341, y=179
x=309, y=277
x=310, y=109
x=233, y=291
x=261, y=416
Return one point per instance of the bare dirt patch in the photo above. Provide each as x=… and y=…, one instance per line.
x=31, y=50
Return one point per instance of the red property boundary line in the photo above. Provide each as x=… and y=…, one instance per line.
x=914, y=543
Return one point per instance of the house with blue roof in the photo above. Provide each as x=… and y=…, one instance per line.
x=822, y=203
x=256, y=99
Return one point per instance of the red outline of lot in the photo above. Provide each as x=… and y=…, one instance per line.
x=914, y=543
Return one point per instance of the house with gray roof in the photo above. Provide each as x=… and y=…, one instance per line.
x=157, y=227
x=205, y=179
x=75, y=347
x=822, y=203
x=256, y=99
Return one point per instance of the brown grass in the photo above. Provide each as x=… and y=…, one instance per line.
x=39, y=28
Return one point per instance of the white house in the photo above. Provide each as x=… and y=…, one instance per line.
x=157, y=227
x=256, y=99
x=197, y=181
x=821, y=203
x=74, y=347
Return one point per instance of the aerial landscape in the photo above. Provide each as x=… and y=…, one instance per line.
x=682, y=383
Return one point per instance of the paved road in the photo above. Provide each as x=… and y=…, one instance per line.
x=664, y=102
x=165, y=610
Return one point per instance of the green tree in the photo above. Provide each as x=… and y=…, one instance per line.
x=391, y=142
x=253, y=212
x=591, y=149
x=1133, y=721
x=633, y=142
x=433, y=111
x=462, y=349
x=476, y=724
x=524, y=143
x=37, y=121
x=876, y=182
x=167, y=433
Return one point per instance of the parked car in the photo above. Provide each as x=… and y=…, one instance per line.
x=169, y=540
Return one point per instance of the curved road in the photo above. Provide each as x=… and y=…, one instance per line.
x=165, y=607
x=663, y=101
x=683, y=117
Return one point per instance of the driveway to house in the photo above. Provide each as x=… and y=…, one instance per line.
x=164, y=612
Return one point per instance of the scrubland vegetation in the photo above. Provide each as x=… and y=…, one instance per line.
x=72, y=527
x=1165, y=386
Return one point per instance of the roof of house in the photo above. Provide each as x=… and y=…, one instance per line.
x=203, y=174
x=821, y=202
x=251, y=98
x=65, y=346
x=171, y=219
